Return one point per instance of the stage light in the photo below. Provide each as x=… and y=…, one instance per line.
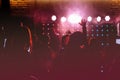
x=53, y=18
x=118, y=41
x=102, y=44
x=89, y=19
x=98, y=19
x=74, y=18
x=107, y=18
x=63, y=19
x=108, y=44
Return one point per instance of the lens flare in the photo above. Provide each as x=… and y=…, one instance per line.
x=98, y=19
x=89, y=19
x=53, y=18
x=107, y=18
x=63, y=19
x=74, y=18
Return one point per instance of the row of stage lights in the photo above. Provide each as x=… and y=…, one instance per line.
x=75, y=18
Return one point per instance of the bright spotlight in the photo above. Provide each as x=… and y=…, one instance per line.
x=74, y=18
x=63, y=19
x=107, y=18
x=98, y=19
x=89, y=19
x=53, y=18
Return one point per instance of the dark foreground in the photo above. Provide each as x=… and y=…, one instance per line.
x=83, y=64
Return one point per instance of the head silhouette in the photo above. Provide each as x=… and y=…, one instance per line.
x=76, y=39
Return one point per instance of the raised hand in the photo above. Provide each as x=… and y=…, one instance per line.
x=83, y=22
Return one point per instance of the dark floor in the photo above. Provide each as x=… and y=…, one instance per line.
x=85, y=64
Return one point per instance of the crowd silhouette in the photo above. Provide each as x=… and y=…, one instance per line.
x=26, y=50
